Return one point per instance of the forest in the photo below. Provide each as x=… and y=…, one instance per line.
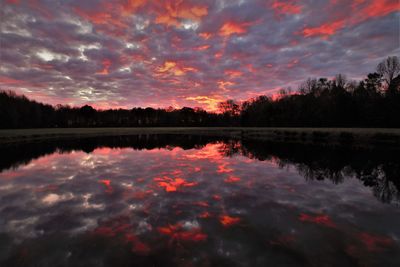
x=337, y=102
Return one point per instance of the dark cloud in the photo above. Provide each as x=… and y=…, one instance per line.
x=186, y=53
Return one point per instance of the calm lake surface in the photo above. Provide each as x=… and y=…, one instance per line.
x=197, y=201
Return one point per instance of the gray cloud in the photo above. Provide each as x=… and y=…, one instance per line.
x=103, y=52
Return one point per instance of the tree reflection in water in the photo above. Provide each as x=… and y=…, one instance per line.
x=378, y=168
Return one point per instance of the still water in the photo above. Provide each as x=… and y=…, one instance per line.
x=197, y=201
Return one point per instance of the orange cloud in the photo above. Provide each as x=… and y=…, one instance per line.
x=222, y=85
x=168, y=65
x=232, y=27
x=210, y=102
x=286, y=8
x=174, y=68
x=172, y=13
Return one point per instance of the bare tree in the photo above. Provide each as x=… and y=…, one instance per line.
x=389, y=69
x=309, y=86
x=340, y=81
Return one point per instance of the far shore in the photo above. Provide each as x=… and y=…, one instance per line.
x=324, y=136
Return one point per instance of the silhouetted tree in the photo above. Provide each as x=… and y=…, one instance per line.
x=229, y=107
x=389, y=69
x=230, y=111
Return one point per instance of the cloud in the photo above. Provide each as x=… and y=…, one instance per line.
x=186, y=53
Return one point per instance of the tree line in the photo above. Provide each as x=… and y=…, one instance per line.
x=338, y=102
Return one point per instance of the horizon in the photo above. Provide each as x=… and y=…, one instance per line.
x=125, y=54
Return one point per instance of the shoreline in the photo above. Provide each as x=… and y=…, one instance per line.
x=357, y=137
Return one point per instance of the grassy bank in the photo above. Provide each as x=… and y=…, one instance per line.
x=325, y=136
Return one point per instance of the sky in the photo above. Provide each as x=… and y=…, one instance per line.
x=154, y=53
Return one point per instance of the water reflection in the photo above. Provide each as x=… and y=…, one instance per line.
x=157, y=200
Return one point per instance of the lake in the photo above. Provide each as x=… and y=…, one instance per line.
x=186, y=200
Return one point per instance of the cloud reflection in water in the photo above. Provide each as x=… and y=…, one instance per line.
x=175, y=206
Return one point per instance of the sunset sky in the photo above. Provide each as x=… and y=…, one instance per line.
x=112, y=54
